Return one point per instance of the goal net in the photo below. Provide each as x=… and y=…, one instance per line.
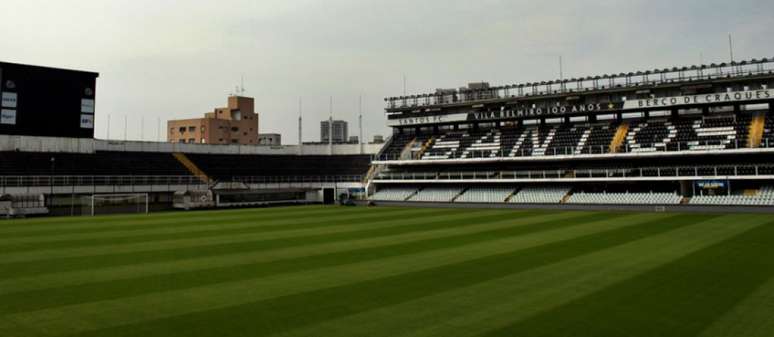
x=100, y=204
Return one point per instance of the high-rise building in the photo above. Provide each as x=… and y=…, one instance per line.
x=237, y=123
x=340, y=132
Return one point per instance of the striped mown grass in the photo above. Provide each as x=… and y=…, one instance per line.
x=330, y=271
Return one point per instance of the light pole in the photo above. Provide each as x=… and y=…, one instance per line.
x=51, y=182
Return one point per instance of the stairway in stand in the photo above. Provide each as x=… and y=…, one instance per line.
x=620, y=136
x=756, y=130
x=191, y=166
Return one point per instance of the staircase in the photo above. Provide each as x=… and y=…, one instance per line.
x=425, y=146
x=405, y=154
x=413, y=194
x=756, y=130
x=460, y=194
x=508, y=199
x=620, y=136
x=372, y=170
x=195, y=170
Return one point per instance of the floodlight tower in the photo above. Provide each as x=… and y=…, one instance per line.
x=360, y=123
x=300, y=138
x=330, y=128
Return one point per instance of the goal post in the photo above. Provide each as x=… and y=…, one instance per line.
x=117, y=203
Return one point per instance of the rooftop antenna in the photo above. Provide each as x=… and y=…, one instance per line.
x=242, y=87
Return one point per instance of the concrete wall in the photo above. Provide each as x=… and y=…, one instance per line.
x=73, y=145
x=45, y=144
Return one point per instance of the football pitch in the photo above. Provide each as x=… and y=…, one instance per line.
x=333, y=271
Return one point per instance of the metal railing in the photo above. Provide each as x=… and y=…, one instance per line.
x=41, y=181
x=587, y=84
x=57, y=180
x=644, y=172
x=692, y=146
x=299, y=179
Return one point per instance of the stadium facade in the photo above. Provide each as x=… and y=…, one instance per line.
x=682, y=136
x=689, y=138
x=50, y=161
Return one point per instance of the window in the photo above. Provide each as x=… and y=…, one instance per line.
x=234, y=129
x=182, y=129
x=191, y=129
x=235, y=141
x=182, y=141
x=191, y=140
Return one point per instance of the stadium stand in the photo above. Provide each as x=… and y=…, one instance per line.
x=666, y=137
x=223, y=167
x=486, y=195
x=599, y=139
x=437, y=194
x=394, y=193
x=681, y=133
x=764, y=197
x=625, y=198
x=540, y=195
x=22, y=205
x=768, y=132
x=570, y=140
x=444, y=147
x=672, y=134
x=228, y=167
x=99, y=163
x=396, y=145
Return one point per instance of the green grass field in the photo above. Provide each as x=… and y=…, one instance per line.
x=330, y=271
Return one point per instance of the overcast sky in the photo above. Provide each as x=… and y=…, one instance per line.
x=179, y=59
